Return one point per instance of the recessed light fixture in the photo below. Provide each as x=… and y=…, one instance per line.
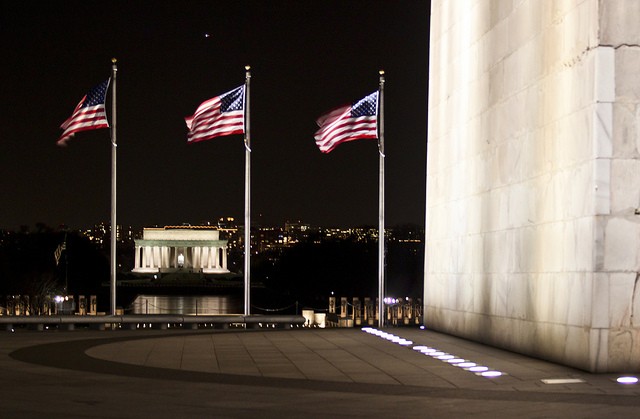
x=453, y=359
x=466, y=364
x=562, y=380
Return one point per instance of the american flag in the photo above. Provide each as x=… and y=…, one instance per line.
x=221, y=115
x=89, y=114
x=58, y=252
x=348, y=123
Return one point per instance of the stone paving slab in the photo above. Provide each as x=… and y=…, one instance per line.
x=293, y=373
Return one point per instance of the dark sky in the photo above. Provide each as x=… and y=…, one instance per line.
x=306, y=58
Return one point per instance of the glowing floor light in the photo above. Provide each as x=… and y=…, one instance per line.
x=627, y=380
x=423, y=349
x=453, y=359
x=562, y=380
x=466, y=364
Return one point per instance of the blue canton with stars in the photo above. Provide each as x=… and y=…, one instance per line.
x=96, y=95
x=233, y=100
x=366, y=107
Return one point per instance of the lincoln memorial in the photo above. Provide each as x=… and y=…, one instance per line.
x=192, y=249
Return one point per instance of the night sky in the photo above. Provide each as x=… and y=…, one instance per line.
x=306, y=58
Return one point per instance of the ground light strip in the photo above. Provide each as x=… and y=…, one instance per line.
x=472, y=366
x=448, y=358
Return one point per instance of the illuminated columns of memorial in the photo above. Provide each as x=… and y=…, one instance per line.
x=180, y=248
x=150, y=259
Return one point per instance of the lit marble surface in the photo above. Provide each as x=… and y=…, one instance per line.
x=533, y=178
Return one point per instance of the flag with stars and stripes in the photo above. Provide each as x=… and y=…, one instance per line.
x=58, y=252
x=221, y=115
x=89, y=114
x=348, y=123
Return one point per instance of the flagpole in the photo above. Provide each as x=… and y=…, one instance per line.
x=381, y=236
x=247, y=197
x=66, y=266
x=114, y=145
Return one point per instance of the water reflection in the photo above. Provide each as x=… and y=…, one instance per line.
x=187, y=304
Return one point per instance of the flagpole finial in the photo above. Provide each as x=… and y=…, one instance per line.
x=381, y=72
x=247, y=67
x=114, y=60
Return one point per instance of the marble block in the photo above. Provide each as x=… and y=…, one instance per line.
x=533, y=178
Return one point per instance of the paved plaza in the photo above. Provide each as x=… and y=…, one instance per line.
x=308, y=373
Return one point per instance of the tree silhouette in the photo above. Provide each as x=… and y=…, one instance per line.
x=28, y=265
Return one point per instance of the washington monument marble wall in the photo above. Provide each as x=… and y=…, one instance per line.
x=533, y=178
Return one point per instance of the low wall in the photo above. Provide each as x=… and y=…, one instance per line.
x=69, y=322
